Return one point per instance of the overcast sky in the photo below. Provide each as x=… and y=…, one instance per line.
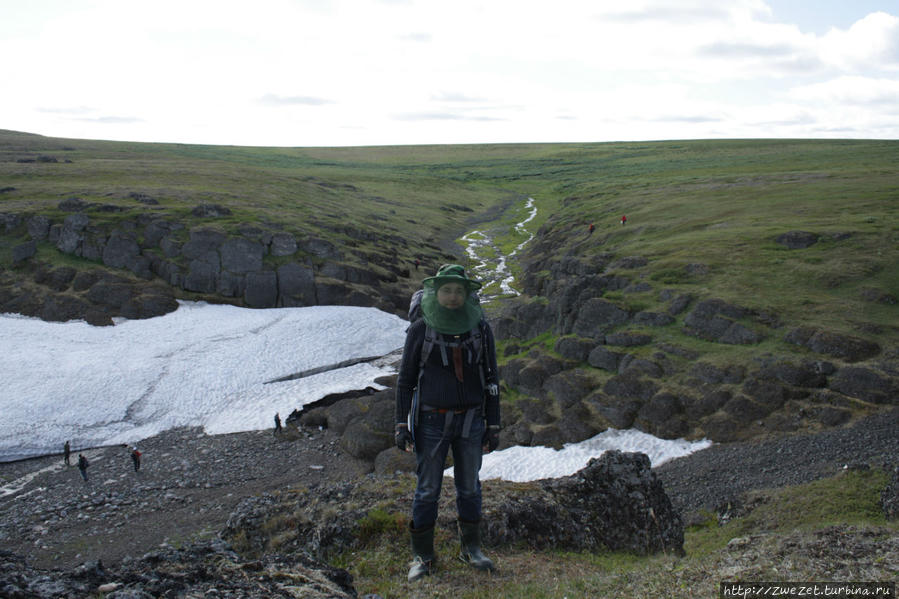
x=373, y=72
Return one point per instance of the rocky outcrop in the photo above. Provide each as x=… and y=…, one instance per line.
x=197, y=570
x=639, y=379
x=616, y=502
x=255, y=267
x=844, y=347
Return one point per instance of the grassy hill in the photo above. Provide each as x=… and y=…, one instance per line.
x=720, y=203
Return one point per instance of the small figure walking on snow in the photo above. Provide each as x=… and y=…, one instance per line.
x=135, y=457
x=66, y=453
x=82, y=466
x=277, y=422
x=623, y=219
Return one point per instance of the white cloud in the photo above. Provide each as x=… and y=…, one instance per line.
x=871, y=43
x=318, y=72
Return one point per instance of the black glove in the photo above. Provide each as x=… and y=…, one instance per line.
x=403, y=438
x=491, y=439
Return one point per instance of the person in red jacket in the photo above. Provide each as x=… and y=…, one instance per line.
x=135, y=457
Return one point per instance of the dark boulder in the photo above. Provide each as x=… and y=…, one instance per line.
x=569, y=386
x=602, y=357
x=709, y=373
x=210, y=211
x=241, y=255
x=576, y=424
x=296, y=285
x=38, y=227
x=24, y=251
x=638, y=366
x=709, y=403
x=202, y=243
x=617, y=411
x=845, y=347
x=616, y=502
x=799, y=375
x=201, y=277
x=628, y=339
x=73, y=205
x=797, y=240
x=321, y=248
x=548, y=436
x=62, y=308
x=283, y=244
x=596, y=317
x=372, y=431
x=72, y=234
x=9, y=221
x=170, y=246
x=745, y=411
x=679, y=304
x=770, y=394
x=663, y=416
x=262, y=289
x=121, y=249
x=715, y=320
x=574, y=348
x=630, y=386
x=154, y=233
x=866, y=384
x=59, y=279
x=534, y=411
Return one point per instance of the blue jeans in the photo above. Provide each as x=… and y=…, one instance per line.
x=430, y=451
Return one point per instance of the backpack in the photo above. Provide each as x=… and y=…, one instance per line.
x=475, y=343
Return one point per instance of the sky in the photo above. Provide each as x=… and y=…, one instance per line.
x=388, y=72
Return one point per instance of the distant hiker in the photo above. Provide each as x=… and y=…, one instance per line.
x=135, y=457
x=277, y=422
x=83, y=466
x=447, y=396
x=66, y=453
x=623, y=219
x=417, y=263
x=592, y=227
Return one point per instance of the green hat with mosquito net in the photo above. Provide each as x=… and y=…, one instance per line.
x=451, y=321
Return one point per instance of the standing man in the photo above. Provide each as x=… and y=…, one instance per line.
x=447, y=397
x=277, y=422
x=82, y=466
x=135, y=457
x=67, y=452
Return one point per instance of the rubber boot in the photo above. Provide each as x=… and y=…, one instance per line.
x=422, y=552
x=470, y=537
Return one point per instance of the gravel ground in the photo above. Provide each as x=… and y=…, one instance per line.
x=190, y=482
x=706, y=479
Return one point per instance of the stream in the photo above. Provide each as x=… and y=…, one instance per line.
x=489, y=264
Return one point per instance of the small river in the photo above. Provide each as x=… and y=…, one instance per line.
x=487, y=261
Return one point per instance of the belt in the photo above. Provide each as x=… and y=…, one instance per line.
x=442, y=410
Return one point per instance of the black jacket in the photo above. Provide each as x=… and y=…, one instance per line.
x=439, y=386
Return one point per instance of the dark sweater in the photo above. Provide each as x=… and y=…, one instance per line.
x=439, y=386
